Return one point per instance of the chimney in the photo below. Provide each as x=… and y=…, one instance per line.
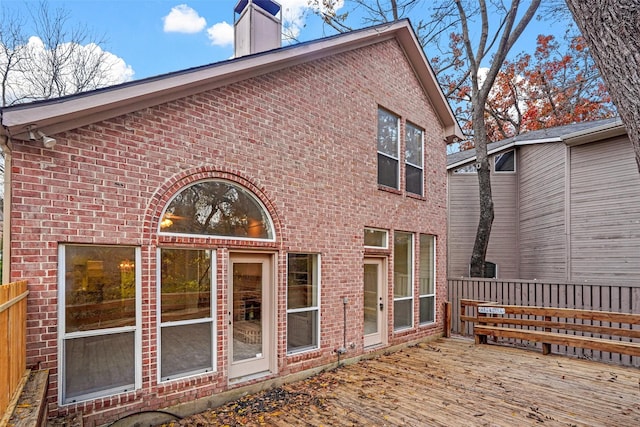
x=257, y=26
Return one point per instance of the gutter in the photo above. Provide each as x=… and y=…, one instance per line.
x=610, y=130
x=503, y=148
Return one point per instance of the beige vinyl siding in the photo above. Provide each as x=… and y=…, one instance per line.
x=605, y=212
x=543, y=248
x=463, y=223
x=503, y=244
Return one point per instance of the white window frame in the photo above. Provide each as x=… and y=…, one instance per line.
x=211, y=319
x=388, y=155
x=386, y=238
x=316, y=308
x=407, y=162
x=64, y=336
x=410, y=284
x=433, y=275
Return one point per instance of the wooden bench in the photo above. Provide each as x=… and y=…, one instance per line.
x=559, y=326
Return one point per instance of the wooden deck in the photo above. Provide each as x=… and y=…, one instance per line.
x=449, y=382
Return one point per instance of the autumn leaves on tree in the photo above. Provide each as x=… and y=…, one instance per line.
x=553, y=87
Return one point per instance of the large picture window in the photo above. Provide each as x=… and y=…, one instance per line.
x=100, y=321
x=427, y=278
x=414, y=159
x=388, y=149
x=402, y=280
x=217, y=208
x=303, y=302
x=186, y=312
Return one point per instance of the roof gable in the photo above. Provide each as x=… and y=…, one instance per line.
x=62, y=114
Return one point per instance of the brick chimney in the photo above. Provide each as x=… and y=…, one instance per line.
x=257, y=26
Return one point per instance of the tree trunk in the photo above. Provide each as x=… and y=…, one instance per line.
x=485, y=222
x=612, y=31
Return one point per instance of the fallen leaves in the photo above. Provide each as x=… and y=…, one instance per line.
x=263, y=408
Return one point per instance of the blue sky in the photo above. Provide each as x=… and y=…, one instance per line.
x=154, y=37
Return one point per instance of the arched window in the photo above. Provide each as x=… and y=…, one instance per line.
x=217, y=208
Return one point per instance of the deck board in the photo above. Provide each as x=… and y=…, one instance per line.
x=455, y=382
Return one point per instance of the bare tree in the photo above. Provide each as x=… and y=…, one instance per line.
x=461, y=68
x=12, y=51
x=509, y=29
x=56, y=60
x=429, y=31
x=611, y=28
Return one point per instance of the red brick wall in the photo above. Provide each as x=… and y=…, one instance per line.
x=303, y=140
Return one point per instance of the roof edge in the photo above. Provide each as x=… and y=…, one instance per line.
x=504, y=148
x=65, y=113
x=609, y=130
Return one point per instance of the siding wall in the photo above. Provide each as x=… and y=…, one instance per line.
x=605, y=213
x=543, y=248
x=463, y=223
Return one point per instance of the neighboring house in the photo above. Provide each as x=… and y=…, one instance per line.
x=231, y=224
x=567, y=206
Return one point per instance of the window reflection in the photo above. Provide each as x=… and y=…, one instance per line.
x=100, y=287
x=185, y=284
x=216, y=208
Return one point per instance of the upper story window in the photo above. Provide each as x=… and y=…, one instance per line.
x=388, y=149
x=414, y=159
x=505, y=162
x=217, y=208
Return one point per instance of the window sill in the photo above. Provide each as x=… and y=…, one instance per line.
x=389, y=189
x=416, y=196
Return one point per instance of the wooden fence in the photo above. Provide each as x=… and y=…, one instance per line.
x=623, y=299
x=13, y=329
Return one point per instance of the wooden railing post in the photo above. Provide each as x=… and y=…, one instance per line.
x=447, y=319
x=546, y=347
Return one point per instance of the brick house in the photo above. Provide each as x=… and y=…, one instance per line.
x=236, y=224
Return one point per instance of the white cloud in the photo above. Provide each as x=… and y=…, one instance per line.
x=221, y=34
x=294, y=14
x=183, y=19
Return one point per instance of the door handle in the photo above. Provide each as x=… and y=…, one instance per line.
x=381, y=306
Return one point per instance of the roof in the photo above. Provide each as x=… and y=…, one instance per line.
x=69, y=112
x=573, y=134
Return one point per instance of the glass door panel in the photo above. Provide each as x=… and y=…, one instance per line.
x=374, y=302
x=370, y=299
x=247, y=313
x=250, y=314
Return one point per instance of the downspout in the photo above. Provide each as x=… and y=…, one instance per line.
x=5, y=143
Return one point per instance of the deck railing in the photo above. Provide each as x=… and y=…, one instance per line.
x=13, y=329
x=602, y=297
